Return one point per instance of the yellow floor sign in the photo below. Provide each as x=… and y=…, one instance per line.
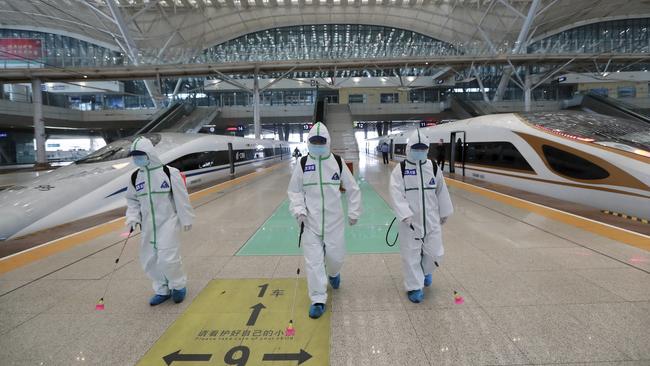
x=244, y=322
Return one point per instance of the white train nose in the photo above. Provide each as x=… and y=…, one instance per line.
x=13, y=218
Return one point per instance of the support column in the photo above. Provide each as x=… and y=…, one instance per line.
x=177, y=87
x=39, y=125
x=520, y=47
x=480, y=85
x=385, y=128
x=365, y=131
x=287, y=132
x=527, y=91
x=256, y=107
x=380, y=129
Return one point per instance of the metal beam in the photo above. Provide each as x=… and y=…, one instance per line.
x=91, y=6
x=525, y=28
x=141, y=11
x=512, y=8
x=231, y=81
x=140, y=72
x=550, y=74
x=278, y=79
x=132, y=49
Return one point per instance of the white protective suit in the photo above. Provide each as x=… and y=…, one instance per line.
x=424, y=199
x=315, y=194
x=160, y=207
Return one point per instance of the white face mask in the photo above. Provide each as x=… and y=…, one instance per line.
x=318, y=150
x=418, y=155
x=141, y=160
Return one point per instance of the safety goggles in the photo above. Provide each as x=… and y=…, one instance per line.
x=318, y=140
x=137, y=152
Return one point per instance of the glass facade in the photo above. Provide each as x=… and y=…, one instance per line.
x=61, y=51
x=617, y=36
x=326, y=41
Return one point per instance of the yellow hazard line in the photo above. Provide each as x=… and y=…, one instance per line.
x=633, y=218
x=39, y=252
x=612, y=232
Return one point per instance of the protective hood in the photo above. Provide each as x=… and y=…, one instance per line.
x=319, y=129
x=143, y=144
x=415, y=138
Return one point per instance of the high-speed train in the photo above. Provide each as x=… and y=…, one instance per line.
x=594, y=160
x=98, y=182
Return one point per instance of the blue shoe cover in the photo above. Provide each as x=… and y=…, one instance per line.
x=158, y=299
x=416, y=296
x=179, y=295
x=335, y=281
x=428, y=279
x=316, y=310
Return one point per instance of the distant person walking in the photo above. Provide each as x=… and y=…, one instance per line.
x=440, y=154
x=384, y=152
x=297, y=153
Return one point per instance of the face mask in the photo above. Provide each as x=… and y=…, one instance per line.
x=418, y=155
x=318, y=150
x=141, y=160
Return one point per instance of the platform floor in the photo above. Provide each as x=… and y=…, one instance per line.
x=537, y=291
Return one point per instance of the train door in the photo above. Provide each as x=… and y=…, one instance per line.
x=231, y=159
x=457, y=151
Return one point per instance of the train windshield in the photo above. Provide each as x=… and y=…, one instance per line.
x=605, y=130
x=116, y=150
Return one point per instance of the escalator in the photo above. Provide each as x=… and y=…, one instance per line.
x=324, y=96
x=611, y=107
x=181, y=117
x=194, y=121
x=163, y=118
x=464, y=109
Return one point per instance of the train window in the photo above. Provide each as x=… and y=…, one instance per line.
x=195, y=161
x=499, y=154
x=115, y=150
x=400, y=149
x=572, y=165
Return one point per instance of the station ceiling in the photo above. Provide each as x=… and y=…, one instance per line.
x=155, y=26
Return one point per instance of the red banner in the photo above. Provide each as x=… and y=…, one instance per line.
x=24, y=49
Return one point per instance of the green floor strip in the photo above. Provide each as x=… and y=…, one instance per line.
x=279, y=234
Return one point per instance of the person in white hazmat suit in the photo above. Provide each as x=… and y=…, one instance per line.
x=158, y=201
x=422, y=205
x=315, y=202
